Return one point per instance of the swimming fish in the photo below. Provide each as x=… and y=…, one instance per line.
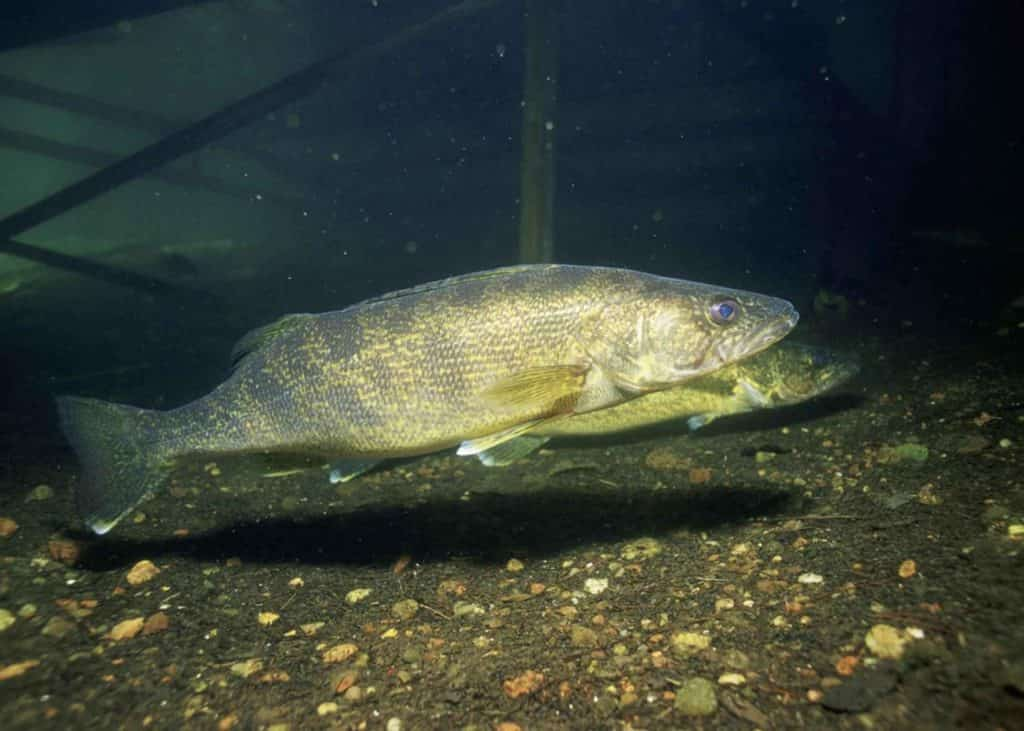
x=785, y=374
x=473, y=361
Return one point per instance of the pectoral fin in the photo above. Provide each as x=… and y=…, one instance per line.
x=508, y=452
x=546, y=390
x=489, y=442
x=746, y=397
x=748, y=394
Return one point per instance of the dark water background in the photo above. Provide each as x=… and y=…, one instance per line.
x=860, y=159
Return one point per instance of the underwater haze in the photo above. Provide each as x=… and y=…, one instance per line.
x=511, y=364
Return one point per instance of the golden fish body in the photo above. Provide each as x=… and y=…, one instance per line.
x=473, y=361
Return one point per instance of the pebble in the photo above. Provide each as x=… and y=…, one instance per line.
x=296, y=583
x=1005, y=443
x=40, y=492
x=340, y=653
x=8, y=527
x=595, y=586
x=908, y=568
x=267, y=618
x=886, y=641
x=27, y=611
x=394, y=724
x=640, y=549
x=696, y=697
x=1015, y=531
x=357, y=595
x=467, y=609
x=58, y=627
x=731, y=679
x=7, y=618
x=158, y=622
x=405, y=609
x=582, y=636
x=127, y=629
x=514, y=565
x=141, y=572
x=326, y=709
x=689, y=643
x=247, y=667
x=354, y=695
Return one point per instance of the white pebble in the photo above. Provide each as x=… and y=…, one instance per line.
x=595, y=586
x=810, y=578
x=394, y=724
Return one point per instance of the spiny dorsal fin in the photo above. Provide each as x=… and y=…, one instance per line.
x=441, y=284
x=262, y=336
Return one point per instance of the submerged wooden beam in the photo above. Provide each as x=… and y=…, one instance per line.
x=540, y=95
x=197, y=135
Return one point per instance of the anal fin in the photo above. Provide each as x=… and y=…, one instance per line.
x=349, y=469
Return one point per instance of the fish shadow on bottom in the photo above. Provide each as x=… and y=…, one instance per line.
x=488, y=528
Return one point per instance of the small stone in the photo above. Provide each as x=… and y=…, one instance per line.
x=296, y=583
x=311, y=628
x=340, y=653
x=762, y=457
x=357, y=595
x=158, y=622
x=724, y=604
x=508, y=726
x=394, y=724
x=353, y=695
x=267, y=618
x=700, y=475
x=907, y=568
x=7, y=618
x=19, y=668
x=514, y=565
x=810, y=578
x=886, y=641
x=1015, y=531
x=141, y=572
x=664, y=458
x=1005, y=443
x=641, y=549
x=345, y=680
x=911, y=452
x=8, y=527
x=467, y=609
x=686, y=644
x=523, y=684
x=247, y=667
x=696, y=697
x=39, y=492
x=326, y=709
x=731, y=679
x=27, y=611
x=595, y=586
x=127, y=629
x=58, y=627
x=405, y=609
x=64, y=550
x=582, y=636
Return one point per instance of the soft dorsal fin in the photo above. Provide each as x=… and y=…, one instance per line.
x=262, y=336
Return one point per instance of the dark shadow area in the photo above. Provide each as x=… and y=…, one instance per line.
x=485, y=528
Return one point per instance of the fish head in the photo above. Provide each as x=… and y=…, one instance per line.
x=805, y=371
x=684, y=330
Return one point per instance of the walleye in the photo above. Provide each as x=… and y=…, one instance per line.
x=786, y=374
x=473, y=361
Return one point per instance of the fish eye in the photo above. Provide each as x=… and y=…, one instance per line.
x=724, y=311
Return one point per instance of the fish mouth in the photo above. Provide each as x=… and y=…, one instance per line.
x=768, y=334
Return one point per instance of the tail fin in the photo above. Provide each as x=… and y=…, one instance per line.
x=119, y=451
